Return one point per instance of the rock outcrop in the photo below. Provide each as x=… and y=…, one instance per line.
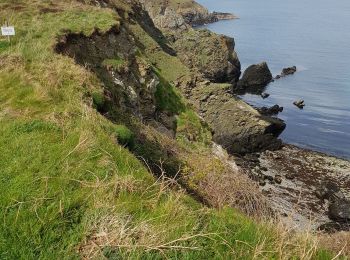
x=190, y=11
x=210, y=54
x=130, y=83
x=299, y=103
x=268, y=111
x=255, y=78
x=287, y=71
x=238, y=127
x=202, y=51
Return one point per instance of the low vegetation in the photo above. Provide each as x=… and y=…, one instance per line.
x=72, y=188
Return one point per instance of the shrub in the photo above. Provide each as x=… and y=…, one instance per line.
x=98, y=100
x=125, y=136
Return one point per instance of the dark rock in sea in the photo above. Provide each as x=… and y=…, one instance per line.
x=265, y=95
x=288, y=71
x=255, y=78
x=218, y=16
x=299, y=103
x=339, y=210
x=268, y=111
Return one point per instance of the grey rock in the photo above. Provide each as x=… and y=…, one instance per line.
x=339, y=210
x=299, y=103
x=268, y=111
x=288, y=71
x=255, y=78
x=265, y=95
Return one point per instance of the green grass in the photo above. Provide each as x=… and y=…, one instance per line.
x=117, y=63
x=68, y=187
x=190, y=129
x=125, y=136
x=167, y=97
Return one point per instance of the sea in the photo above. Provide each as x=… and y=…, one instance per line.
x=313, y=35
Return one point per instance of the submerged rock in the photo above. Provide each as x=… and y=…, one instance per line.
x=299, y=103
x=265, y=95
x=268, y=111
x=288, y=71
x=255, y=78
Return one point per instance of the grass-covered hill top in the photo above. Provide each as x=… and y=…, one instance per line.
x=72, y=186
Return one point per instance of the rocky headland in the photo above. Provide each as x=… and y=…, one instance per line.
x=207, y=74
x=192, y=13
x=289, y=176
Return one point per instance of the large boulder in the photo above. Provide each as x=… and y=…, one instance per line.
x=210, y=54
x=339, y=210
x=255, y=78
x=238, y=127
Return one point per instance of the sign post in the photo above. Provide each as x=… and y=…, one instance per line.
x=8, y=31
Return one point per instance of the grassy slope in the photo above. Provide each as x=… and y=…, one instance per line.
x=68, y=188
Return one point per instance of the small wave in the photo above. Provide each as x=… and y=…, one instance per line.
x=326, y=130
x=301, y=68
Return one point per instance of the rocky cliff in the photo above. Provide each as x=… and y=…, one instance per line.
x=191, y=12
x=212, y=59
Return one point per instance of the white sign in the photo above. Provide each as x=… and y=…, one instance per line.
x=8, y=31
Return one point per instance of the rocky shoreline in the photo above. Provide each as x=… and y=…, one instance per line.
x=289, y=176
x=293, y=178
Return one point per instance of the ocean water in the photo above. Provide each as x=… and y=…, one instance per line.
x=313, y=35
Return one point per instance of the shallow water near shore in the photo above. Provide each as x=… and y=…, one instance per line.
x=315, y=37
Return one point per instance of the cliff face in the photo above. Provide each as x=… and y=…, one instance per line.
x=191, y=12
x=212, y=59
x=202, y=51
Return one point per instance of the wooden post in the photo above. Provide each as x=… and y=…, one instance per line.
x=8, y=37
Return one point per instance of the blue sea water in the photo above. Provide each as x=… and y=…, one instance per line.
x=314, y=35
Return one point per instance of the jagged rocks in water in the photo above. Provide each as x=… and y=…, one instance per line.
x=288, y=71
x=268, y=111
x=265, y=95
x=255, y=78
x=223, y=16
x=299, y=103
x=339, y=210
